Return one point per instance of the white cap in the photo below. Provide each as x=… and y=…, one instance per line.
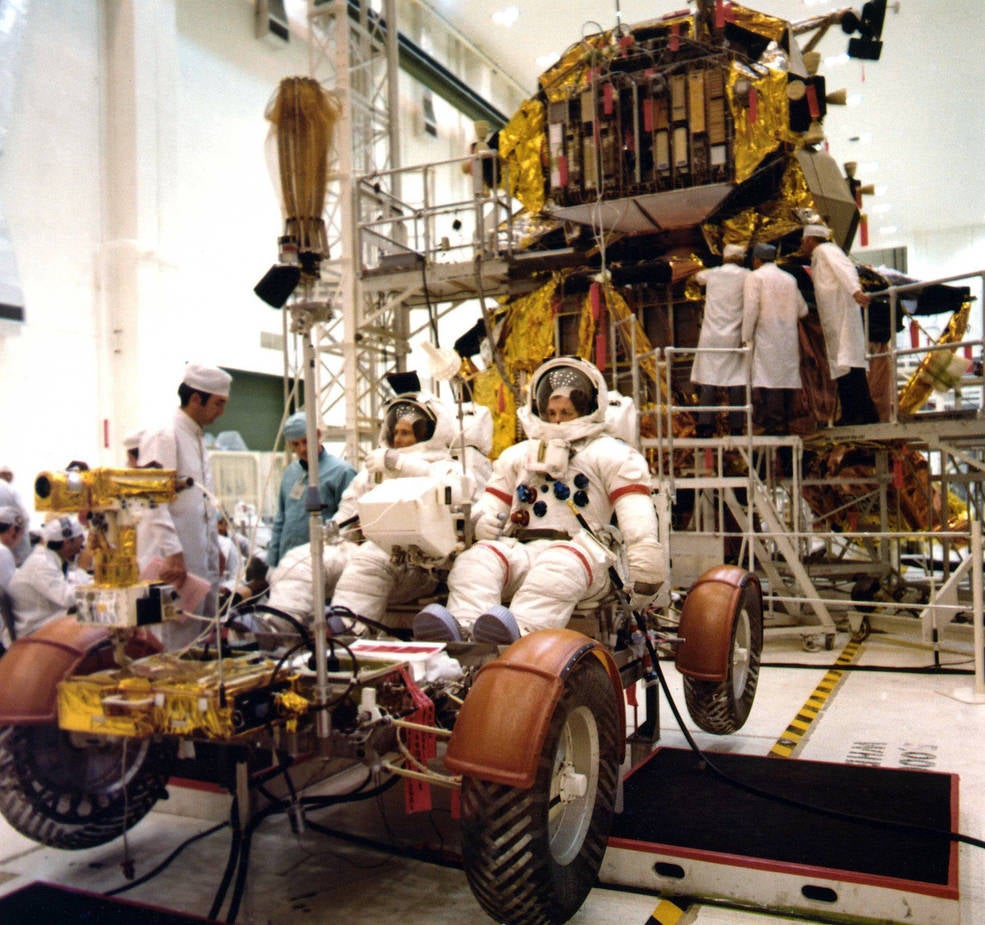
x=132, y=441
x=817, y=231
x=60, y=529
x=732, y=251
x=11, y=516
x=209, y=379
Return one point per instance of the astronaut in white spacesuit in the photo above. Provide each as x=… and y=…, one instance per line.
x=531, y=549
x=417, y=439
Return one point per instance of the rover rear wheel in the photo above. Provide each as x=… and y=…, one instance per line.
x=71, y=791
x=722, y=707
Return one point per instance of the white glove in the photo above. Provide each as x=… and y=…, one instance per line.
x=381, y=459
x=642, y=595
x=488, y=526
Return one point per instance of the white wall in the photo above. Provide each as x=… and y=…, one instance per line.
x=211, y=228
x=51, y=192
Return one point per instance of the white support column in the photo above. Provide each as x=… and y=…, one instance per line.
x=139, y=168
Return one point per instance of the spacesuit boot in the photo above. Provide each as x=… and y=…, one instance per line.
x=497, y=626
x=436, y=624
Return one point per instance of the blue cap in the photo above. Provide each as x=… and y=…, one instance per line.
x=296, y=426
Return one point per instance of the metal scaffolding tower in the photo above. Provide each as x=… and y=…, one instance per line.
x=353, y=51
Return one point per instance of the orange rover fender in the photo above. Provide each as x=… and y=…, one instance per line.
x=707, y=617
x=500, y=730
x=34, y=664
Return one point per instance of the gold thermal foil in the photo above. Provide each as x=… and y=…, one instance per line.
x=570, y=74
x=489, y=389
x=530, y=328
x=919, y=386
x=522, y=142
x=768, y=221
x=761, y=23
x=102, y=489
x=168, y=697
x=761, y=125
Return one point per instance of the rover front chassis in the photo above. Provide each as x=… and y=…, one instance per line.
x=536, y=733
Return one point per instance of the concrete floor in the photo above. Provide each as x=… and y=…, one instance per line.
x=888, y=719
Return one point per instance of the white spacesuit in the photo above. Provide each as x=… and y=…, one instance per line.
x=531, y=549
x=416, y=441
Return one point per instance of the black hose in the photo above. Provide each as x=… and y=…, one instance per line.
x=166, y=862
x=235, y=848
x=302, y=630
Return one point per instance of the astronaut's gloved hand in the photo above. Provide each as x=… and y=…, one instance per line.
x=488, y=526
x=642, y=594
x=381, y=459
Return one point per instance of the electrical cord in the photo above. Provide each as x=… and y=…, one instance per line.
x=151, y=874
x=242, y=861
x=766, y=794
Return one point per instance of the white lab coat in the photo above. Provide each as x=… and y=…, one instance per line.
x=188, y=524
x=40, y=590
x=773, y=304
x=721, y=327
x=7, y=567
x=835, y=281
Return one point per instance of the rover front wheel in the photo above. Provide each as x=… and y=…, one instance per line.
x=531, y=856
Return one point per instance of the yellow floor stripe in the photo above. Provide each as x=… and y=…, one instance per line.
x=804, y=719
x=666, y=913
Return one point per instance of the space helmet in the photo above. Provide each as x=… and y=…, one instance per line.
x=581, y=384
x=411, y=407
x=573, y=379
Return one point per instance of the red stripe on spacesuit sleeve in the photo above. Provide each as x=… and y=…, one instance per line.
x=582, y=558
x=503, y=496
x=628, y=490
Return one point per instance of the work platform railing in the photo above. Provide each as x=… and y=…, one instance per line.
x=833, y=545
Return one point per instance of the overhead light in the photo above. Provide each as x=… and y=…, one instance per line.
x=879, y=209
x=889, y=229
x=506, y=16
x=854, y=99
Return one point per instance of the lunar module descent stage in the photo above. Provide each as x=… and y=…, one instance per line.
x=647, y=149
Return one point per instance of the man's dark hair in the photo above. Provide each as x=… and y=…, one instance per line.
x=185, y=393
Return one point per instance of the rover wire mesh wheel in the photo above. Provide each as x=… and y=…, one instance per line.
x=71, y=791
x=721, y=707
x=531, y=856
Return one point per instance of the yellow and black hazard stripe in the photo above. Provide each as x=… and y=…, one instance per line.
x=814, y=704
x=668, y=913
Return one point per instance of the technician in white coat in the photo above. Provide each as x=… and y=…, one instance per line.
x=12, y=526
x=42, y=588
x=839, y=297
x=532, y=550
x=721, y=327
x=184, y=533
x=418, y=437
x=773, y=306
